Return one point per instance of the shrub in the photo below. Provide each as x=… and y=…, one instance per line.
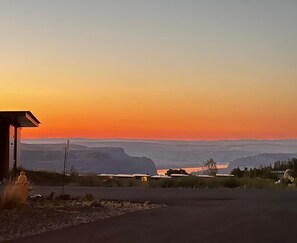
x=10, y=199
x=190, y=182
x=230, y=182
x=164, y=183
x=89, y=197
x=257, y=183
x=65, y=197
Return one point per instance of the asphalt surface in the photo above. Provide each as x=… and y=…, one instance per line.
x=190, y=215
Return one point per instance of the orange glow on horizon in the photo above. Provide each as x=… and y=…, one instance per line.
x=190, y=170
x=209, y=72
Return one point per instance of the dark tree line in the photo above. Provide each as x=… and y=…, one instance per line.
x=268, y=171
x=284, y=165
x=176, y=171
x=209, y=168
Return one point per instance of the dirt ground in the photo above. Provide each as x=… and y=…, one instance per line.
x=48, y=215
x=190, y=215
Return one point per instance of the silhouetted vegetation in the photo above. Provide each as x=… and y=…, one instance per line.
x=215, y=182
x=210, y=167
x=46, y=178
x=176, y=171
x=268, y=172
x=263, y=177
x=290, y=164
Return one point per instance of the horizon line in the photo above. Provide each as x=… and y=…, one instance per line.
x=164, y=139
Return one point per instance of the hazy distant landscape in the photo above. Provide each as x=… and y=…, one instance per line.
x=139, y=156
x=84, y=159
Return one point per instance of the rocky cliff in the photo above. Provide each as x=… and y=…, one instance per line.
x=84, y=159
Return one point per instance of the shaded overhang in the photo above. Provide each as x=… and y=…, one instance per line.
x=19, y=118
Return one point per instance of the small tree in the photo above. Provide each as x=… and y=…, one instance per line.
x=237, y=172
x=73, y=172
x=210, y=167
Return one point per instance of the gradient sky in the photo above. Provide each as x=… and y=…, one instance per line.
x=162, y=69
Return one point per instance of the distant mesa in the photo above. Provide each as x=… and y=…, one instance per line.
x=165, y=154
x=84, y=159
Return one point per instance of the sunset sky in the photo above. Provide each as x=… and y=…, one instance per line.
x=151, y=69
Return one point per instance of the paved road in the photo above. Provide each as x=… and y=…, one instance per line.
x=192, y=215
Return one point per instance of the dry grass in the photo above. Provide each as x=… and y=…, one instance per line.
x=10, y=199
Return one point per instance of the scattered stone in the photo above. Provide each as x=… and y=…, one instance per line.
x=47, y=215
x=36, y=197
